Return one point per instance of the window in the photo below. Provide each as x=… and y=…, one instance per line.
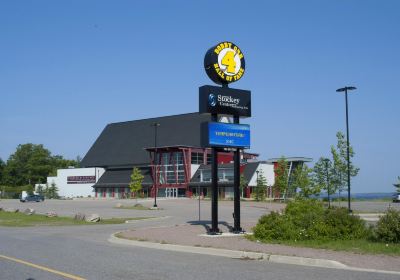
x=223, y=175
x=171, y=170
x=197, y=158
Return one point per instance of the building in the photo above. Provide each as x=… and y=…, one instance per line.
x=169, y=154
x=76, y=182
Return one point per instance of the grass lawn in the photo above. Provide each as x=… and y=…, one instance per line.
x=22, y=220
x=355, y=246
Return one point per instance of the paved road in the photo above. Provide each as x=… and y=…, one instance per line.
x=83, y=251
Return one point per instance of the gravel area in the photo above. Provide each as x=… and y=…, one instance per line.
x=190, y=235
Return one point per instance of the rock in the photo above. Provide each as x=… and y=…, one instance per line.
x=29, y=211
x=79, y=217
x=118, y=205
x=11, y=210
x=94, y=218
x=51, y=214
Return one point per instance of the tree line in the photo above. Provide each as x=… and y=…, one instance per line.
x=30, y=164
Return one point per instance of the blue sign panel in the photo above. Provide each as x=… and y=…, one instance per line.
x=229, y=135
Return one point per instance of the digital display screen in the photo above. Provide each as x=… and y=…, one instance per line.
x=228, y=135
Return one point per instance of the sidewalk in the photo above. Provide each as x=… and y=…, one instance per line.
x=194, y=235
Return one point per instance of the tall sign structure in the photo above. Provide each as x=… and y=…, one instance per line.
x=224, y=63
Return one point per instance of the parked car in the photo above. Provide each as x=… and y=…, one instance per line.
x=396, y=197
x=33, y=197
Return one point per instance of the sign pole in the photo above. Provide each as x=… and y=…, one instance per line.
x=236, y=186
x=214, y=185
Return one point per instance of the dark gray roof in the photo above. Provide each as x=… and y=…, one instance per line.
x=249, y=170
x=122, y=144
x=122, y=177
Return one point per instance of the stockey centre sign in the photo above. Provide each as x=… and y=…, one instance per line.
x=224, y=101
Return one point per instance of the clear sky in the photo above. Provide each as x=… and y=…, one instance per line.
x=68, y=68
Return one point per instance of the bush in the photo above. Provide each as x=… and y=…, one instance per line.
x=282, y=227
x=308, y=220
x=344, y=226
x=388, y=227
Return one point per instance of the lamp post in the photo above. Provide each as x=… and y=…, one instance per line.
x=156, y=125
x=327, y=161
x=345, y=90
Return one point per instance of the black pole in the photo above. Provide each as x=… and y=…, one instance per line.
x=348, y=154
x=198, y=193
x=214, y=185
x=236, y=186
x=155, y=166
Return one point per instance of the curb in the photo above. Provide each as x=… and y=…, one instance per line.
x=323, y=263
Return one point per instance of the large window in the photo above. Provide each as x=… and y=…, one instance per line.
x=197, y=158
x=171, y=170
x=224, y=175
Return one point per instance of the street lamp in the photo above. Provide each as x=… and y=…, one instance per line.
x=156, y=125
x=327, y=161
x=345, y=89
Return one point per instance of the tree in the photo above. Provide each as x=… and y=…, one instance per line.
x=281, y=177
x=261, y=187
x=28, y=165
x=397, y=185
x=323, y=172
x=2, y=165
x=302, y=180
x=243, y=184
x=52, y=191
x=339, y=154
x=136, y=180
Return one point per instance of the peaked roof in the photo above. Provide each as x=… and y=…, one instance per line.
x=123, y=144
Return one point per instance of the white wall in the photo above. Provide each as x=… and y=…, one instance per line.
x=69, y=189
x=267, y=170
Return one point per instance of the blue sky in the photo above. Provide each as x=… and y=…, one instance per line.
x=68, y=68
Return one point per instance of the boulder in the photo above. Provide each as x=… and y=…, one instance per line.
x=118, y=205
x=51, y=214
x=94, y=218
x=11, y=210
x=29, y=211
x=79, y=217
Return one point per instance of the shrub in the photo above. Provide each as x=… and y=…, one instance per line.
x=308, y=220
x=388, y=227
x=344, y=226
x=282, y=227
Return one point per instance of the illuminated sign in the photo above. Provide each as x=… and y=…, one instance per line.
x=224, y=63
x=81, y=179
x=224, y=101
x=228, y=135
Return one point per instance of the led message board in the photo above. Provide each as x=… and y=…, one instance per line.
x=228, y=135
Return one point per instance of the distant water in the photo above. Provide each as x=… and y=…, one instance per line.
x=363, y=195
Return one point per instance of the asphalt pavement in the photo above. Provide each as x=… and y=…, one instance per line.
x=83, y=252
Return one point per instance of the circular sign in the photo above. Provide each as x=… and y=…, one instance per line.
x=224, y=63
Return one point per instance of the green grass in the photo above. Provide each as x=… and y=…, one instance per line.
x=354, y=246
x=22, y=220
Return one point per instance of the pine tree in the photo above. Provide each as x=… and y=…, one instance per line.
x=261, y=187
x=136, y=181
